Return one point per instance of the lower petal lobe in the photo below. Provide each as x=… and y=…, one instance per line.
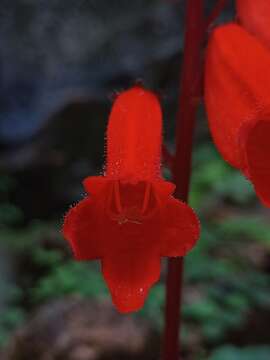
x=129, y=277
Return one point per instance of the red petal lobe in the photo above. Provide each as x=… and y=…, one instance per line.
x=181, y=229
x=81, y=229
x=94, y=185
x=258, y=155
x=237, y=87
x=254, y=15
x=130, y=276
x=134, y=136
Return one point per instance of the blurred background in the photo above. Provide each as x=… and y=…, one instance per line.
x=61, y=63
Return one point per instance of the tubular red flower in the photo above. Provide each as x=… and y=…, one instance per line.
x=254, y=15
x=129, y=219
x=237, y=98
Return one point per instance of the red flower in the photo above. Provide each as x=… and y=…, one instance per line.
x=237, y=97
x=130, y=219
x=254, y=15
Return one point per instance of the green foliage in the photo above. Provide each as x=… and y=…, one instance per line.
x=226, y=284
x=69, y=278
x=12, y=315
x=9, y=321
x=213, y=179
x=51, y=259
x=9, y=213
x=27, y=240
x=219, y=273
x=154, y=306
x=249, y=353
x=22, y=243
x=248, y=227
x=218, y=268
x=7, y=183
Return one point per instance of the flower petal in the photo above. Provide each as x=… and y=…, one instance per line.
x=237, y=88
x=81, y=229
x=163, y=189
x=258, y=154
x=181, y=229
x=254, y=15
x=134, y=136
x=129, y=276
x=94, y=185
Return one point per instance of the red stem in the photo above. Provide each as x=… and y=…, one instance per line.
x=188, y=104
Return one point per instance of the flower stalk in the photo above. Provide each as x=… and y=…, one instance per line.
x=197, y=27
x=190, y=93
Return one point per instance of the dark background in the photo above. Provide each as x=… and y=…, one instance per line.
x=61, y=63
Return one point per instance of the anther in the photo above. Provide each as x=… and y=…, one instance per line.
x=146, y=197
x=117, y=197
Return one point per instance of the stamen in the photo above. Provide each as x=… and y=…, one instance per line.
x=146, y=197
x=117, y=197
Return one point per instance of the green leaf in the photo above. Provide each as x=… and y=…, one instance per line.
x=249, y=353
x=70, y=278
